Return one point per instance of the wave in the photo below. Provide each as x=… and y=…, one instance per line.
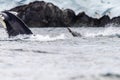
x=85, y=33
x=35, y=38
x=107, y=32
x=46, y=38
x=96, y=32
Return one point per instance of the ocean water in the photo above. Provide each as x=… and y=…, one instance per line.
x=93, y=8
x=54, y=54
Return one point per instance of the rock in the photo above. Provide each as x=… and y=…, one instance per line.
x=115, y=21
x=41, y=14
x=69, y=17
x=74, y=34
x=104, y=20
x=84, y=20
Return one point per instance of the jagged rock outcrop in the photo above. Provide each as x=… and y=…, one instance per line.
x=115, y=21
x=84, y=20
x=43, y=14
x=104, y=20
x=69, y=17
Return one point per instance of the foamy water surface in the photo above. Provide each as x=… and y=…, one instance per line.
x=54, y=54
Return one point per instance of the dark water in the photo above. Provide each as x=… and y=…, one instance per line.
x=53, y=54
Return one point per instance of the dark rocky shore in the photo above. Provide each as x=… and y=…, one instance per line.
x=42, y=14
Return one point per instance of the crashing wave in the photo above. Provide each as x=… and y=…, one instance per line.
x=35, y=38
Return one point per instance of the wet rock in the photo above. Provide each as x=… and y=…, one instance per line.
x=41, y=14
x=84, y=20
x=74, y=34
x=104, y=20
x=69, y=17
x=115, y=21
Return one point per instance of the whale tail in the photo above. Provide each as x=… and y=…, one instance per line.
x=14, y=25
x=74, y=34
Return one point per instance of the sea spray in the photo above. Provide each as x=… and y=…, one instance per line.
x=46, y=38
x=107, y=32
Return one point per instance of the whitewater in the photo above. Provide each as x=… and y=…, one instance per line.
x=93, y=8
x=54, y=54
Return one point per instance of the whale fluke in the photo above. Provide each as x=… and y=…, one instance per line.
x=13, y=24
x=74, y=34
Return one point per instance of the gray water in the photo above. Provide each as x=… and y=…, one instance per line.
x=54, y=54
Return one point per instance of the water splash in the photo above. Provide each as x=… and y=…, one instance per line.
x=46, y=38
x=107, y=32
x=36, y=38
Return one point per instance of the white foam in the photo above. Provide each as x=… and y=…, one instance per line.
x=46, y=38
x=37, y=37
x=107, y=32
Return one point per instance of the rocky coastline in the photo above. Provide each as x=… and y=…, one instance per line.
x=44, y=14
